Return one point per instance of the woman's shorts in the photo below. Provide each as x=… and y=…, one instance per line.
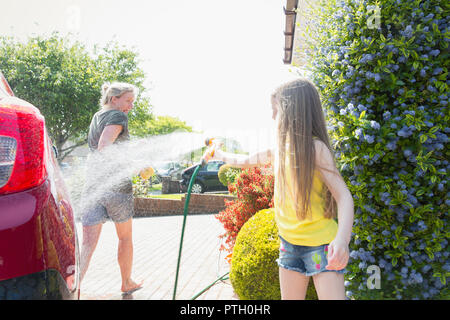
x=306, y=260
x=119, y=207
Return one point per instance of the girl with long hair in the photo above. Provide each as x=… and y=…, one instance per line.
x=309, y=195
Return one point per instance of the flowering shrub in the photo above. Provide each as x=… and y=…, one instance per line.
x=254, y=191
x=140, y=186
x=382, y=70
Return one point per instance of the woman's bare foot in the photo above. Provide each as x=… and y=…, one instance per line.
x=130, y=286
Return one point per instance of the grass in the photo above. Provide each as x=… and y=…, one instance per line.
x=156, y=187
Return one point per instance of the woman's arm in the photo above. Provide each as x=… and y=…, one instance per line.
x=336, y=184
x=244, y=161
x=109, y=135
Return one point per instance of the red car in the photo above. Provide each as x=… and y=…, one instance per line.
x=39, y=256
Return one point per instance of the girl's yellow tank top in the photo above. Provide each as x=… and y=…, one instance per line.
x=309, y=232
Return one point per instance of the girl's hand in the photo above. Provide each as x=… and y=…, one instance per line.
x=338, y=254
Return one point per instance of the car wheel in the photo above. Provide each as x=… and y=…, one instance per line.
x=197, y=188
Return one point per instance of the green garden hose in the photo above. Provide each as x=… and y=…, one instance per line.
x=186, y=205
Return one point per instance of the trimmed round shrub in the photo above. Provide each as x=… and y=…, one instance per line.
x=382, y=70
x=254, y=271
x=227, y=174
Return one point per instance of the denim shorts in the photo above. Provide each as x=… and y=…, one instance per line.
x=117, y=206
x=306, y=260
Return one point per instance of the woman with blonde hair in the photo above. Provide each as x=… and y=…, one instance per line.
x=110, y=126
x=308, y=192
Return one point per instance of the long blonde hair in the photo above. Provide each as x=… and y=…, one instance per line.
x=300, y=119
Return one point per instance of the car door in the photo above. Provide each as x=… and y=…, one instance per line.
x=211, y=175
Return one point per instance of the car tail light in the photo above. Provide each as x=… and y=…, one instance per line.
x=8, y=147
x=22, y=148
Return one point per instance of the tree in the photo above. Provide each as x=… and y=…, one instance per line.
x=121, y=64
x=63, y=79
x=160, y=125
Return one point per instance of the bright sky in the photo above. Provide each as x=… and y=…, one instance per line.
x=210, y=63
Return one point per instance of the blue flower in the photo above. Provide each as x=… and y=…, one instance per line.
x=407, y=153
x=407, y=33
x=358, y=132
x=431, y=88
x=437, y=71
x=416, y=278
x=375, y=125
x=426, y=268
x=434, y=53
x=377, y=77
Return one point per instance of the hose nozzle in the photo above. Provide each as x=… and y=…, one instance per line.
x=147, y=173
x=211, y=144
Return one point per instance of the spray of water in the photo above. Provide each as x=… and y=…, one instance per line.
x=101, y=172
x=90, y=179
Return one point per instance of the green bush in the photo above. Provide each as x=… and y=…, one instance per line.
x=382, y=70
x=254, y=271
x=227, y=174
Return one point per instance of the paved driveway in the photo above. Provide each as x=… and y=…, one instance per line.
x=156, y=243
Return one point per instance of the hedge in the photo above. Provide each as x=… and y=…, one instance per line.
x=382, y=70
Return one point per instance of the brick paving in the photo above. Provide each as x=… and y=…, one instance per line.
x=156, y=243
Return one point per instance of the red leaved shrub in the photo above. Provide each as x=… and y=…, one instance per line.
x=254, y=190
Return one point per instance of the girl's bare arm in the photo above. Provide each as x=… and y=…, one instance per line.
x=243, y=161
x=338, y=249
x=336, y=184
